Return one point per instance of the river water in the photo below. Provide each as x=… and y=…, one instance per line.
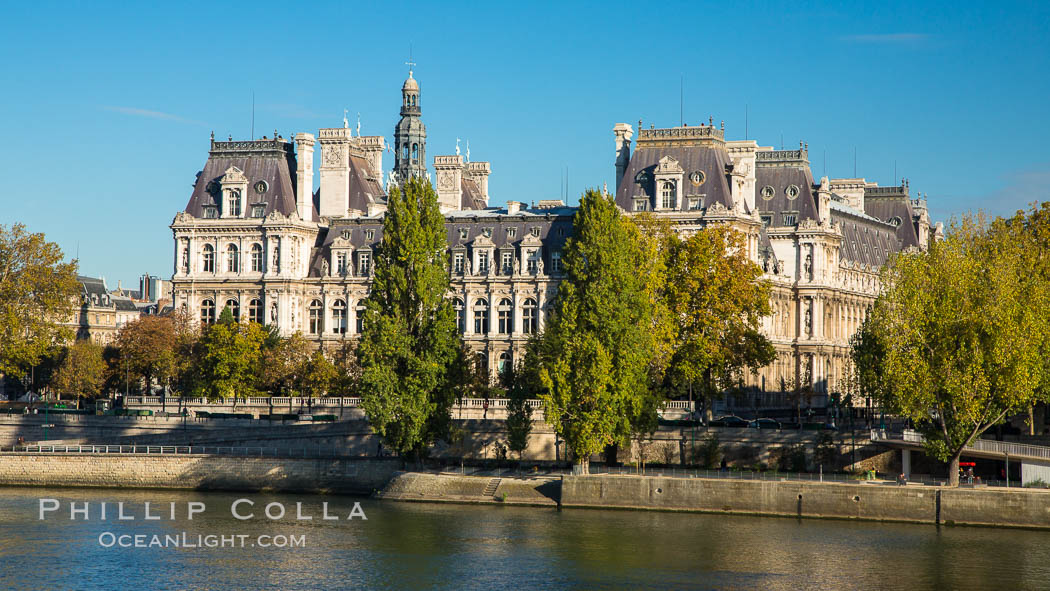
x=436, y=546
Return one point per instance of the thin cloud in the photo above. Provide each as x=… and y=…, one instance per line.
x=151, y=114
x=887, y=38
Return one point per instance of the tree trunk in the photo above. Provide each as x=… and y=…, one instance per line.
x=583, y=466
x=1031, y=419
x=953, y=469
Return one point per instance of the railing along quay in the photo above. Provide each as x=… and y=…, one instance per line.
x=272, y=452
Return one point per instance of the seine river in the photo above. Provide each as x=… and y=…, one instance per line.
x=435, y=546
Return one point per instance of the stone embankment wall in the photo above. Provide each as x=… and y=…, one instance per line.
x=877, y=502
x=350, y=476
x=415, y=486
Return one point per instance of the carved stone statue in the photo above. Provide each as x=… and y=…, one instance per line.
x=276, y=266
x=809, y=322
x=807, y=267
x=324, y=267
x=273, y=313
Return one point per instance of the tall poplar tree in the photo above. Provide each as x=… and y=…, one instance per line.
x=409, y=342
x=599, y=344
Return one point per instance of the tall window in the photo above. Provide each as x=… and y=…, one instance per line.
x=505, y=316
x=555, y=262
x=364, y=263
x=207, y=312
x=481, y=316
x=461, y=315
x=339, y=317
x=668, y=196
x=457, y=263
x=257, y=258
x=507, y=264
x=359, y=317
x=483, y=262
x=415, y=152
x=532, y=261
x=340, y=264
x=235, y=309
x=208, y=259
x=235, y=203
x=504, y=362
x=316, y=324
x=528, y=316
x=255, y=311
x=232, y=260
x=482, y=365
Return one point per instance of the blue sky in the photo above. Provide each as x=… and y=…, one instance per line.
x=107, y=107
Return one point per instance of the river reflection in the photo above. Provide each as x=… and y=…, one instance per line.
x=433, y=546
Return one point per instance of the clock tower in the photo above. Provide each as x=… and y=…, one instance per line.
x=410, y=135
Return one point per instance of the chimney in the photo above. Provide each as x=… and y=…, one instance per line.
x=623, y=133
x=513, y=207
x=304, y=175
x=335, y=172
x=373, y=146
x=479, y=172
x=449, y=174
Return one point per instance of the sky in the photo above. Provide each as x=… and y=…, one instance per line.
x=108, y=107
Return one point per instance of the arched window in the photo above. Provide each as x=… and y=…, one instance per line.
x=528, y=316
x=505, y=316
x=504, y=362
x=668, y=195
x=235, y=203
x=207, y=312
x=359, y=317
x=415, y=152
x=255, y=311
x=404, y=151
x=235, y=309
x=208, y=258
x=482, y=364
x=339, y=317
x=257, y=258
x=481, y=316
x=232, y=259
x=461, y=316
x=316, y=323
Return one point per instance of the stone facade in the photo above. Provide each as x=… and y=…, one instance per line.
x=256, y=238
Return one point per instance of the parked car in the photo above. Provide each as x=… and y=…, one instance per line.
x=729, y=421
x=764, y=424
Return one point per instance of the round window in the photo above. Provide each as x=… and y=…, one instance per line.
x=697, y=178
x=768, y=192
x=261, y=187
x=792, y=191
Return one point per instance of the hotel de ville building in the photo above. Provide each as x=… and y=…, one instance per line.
x=255, y=237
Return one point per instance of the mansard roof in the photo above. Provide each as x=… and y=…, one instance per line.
x=707, y=155
x=472, y=197
x=269, y=160
x=865, y=240
x=365, y=186
x=777, y=174
x=462, y=229
x=892, y=204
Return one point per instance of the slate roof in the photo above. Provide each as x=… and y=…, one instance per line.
x=272, y=161
x=888, y=203
x=779, y=174
x=364, y=184
x=865, y=240
x=472, y=197
x=462, y=228
x=711, y=159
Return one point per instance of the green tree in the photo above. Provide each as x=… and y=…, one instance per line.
x=717, y=300
x=228, y=356
x=284, y=365
x=958, y=337
x=599, y=345
x=318, y=375
x=37, y=292
x=522, y=384
x=147, y=346
x=82, y=372
x=409, y=340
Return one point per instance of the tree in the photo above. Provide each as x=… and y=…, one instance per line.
x=318, y=375
x=522, y=384
x=958, y=337
x=82, y=371
x=599, y=344
x=716, y=299
x=37, y=290
x=284, y=365
x=409, y=342
x=228, y=356
x=147, y=346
